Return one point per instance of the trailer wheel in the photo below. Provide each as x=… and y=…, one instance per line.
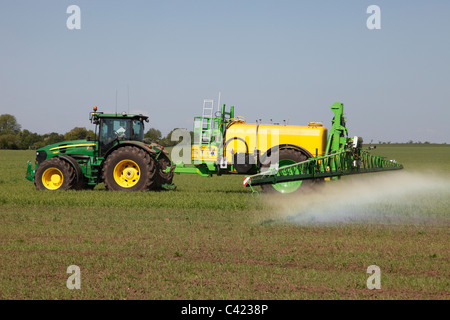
x=287, y=157
x=55, y=174
x=129, y=169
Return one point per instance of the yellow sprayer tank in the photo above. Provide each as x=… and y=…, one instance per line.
x=240, y=138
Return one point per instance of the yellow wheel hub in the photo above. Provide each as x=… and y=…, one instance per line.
x=52, y=178
x=127, y=173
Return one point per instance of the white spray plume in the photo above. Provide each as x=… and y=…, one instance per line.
x=388, y=197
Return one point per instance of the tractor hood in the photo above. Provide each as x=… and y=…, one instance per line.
x=83, y=147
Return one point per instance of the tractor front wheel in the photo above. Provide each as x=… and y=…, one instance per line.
x=55, y=174
x=129, y=169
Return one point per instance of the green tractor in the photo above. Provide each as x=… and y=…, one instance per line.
x=118, y=156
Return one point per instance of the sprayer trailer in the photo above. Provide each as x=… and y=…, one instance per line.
x=278, y=157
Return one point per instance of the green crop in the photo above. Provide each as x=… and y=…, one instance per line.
x=211, y=239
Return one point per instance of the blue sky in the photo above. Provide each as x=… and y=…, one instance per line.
x=280, y=60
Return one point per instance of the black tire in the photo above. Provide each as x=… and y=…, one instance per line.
x=55, y=174
x=164, y=177
x=141, y=168
x=295, y=155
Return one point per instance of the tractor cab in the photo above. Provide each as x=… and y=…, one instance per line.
x=112, y=128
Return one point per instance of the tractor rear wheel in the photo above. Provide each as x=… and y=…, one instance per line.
x=287, y=157
x=55, y=174
x=129, y=169
x=163, y=176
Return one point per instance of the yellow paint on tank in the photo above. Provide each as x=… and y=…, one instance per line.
x=205, y=154
x=245, y=137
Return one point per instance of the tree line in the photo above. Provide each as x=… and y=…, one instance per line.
x=13, y=137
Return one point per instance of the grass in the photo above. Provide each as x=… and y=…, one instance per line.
x=210, y=239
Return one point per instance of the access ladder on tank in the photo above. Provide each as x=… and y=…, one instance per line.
x=207, y=121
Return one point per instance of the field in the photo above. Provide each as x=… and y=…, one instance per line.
x=211, y=239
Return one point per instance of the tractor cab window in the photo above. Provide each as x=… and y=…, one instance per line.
x=137, y=130
x=121, y=130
